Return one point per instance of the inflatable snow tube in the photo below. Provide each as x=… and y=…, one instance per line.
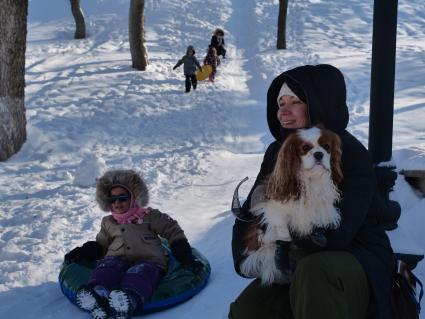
x=177, y=285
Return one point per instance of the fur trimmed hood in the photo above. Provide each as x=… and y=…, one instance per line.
x=126, y=178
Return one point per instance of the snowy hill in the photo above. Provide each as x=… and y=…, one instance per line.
x=88, y=110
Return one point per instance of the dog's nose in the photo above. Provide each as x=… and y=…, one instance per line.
x=318, y=156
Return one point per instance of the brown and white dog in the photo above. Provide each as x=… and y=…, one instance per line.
x=297, y=197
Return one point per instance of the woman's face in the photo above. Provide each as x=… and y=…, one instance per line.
x=292, y=112
x=120, y=199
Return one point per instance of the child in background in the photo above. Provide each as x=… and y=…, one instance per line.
x=217, y=41
x=190, y=63
x=133, y=257
x=213, y=60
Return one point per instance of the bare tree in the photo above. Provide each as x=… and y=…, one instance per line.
x=80, y=24
x=139, y=54
x=281, y=24
x=13, y=32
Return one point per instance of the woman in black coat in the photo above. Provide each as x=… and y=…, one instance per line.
x=349, y=277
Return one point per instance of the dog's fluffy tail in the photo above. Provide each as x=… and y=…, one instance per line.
x=261, y=264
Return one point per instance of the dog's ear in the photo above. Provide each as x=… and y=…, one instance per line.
x=336, y=158
x=283, y=184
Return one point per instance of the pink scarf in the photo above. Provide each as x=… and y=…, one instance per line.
x=135, y=213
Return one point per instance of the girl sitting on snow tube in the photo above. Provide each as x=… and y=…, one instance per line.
x=133, y=256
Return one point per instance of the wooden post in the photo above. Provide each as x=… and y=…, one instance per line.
x=281, y=24
x=382, y=80
x=382, y=100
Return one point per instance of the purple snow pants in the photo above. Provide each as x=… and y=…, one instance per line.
x=116, y=273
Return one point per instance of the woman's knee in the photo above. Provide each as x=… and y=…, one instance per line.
x=311, y=267
x=328, y=264
x=258, y=301
x=332, y=280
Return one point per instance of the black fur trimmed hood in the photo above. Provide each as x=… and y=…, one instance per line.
x=129, y=179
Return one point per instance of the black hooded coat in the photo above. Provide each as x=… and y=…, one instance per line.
x=323, y=89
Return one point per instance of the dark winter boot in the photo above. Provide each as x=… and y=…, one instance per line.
x=187, y=84
x=122, y=304
x=88, y=300
x=194, y=81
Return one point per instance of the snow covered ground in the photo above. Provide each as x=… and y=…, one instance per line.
x=88, y=110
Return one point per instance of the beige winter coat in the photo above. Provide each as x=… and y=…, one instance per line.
x=139, y=242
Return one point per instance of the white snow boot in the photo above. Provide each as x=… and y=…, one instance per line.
x=122, y=304
x=89, y=301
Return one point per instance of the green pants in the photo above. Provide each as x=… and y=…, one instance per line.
x=331, y=285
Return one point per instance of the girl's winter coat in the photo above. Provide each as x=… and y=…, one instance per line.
x=136, y=241
x=212, y=59
x=361, y=232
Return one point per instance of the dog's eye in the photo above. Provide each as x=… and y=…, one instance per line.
x=306, y=148
x=327, y=147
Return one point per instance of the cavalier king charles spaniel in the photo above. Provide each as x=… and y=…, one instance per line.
x=297, y=198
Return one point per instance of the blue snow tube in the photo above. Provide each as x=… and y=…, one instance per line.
x=177, y=285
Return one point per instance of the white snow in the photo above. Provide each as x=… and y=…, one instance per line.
x=88, y=111
x=88, y=171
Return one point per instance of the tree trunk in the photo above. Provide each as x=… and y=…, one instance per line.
x=80, y=24
x=281, y=24
x=13, y=33
x=139, y=54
